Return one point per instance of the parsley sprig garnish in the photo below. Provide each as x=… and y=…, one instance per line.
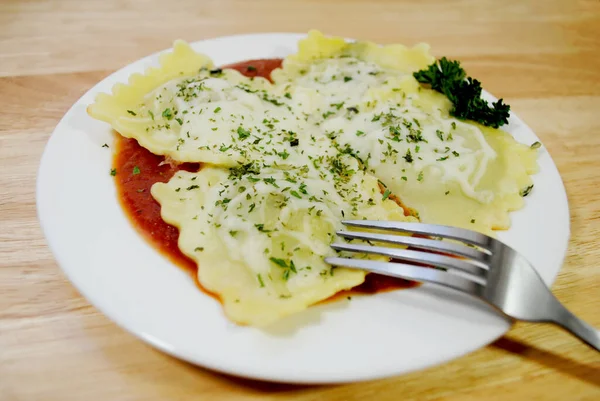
x=449, y=78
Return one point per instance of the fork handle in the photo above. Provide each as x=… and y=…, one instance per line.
x=568, y=321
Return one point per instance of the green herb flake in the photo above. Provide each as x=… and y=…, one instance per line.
x=359, y=133
x=271, y=181
x=386, y=194
x=218, y=109
x=136, y=170
x=261, y=228
x=524, y=192
x=113, y=172
x=168, y=114
x=279, y=262
x=242, y=133
x=302, y=189
x=133, y=113
x=260, y=280
x=535, y=145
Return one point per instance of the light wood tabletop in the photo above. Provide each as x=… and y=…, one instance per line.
x=542, y=57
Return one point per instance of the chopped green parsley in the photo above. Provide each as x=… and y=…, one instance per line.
x=242, y=133
x=167, y=113
x=525, y=191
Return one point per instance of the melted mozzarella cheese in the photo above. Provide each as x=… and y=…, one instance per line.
x=342, y=80
x=218, y=120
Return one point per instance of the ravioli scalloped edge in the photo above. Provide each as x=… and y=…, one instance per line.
x=113, y=108
x=393, y=56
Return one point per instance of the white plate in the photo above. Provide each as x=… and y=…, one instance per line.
x=365, y=338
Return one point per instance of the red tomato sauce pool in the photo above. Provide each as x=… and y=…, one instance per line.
x=137, y=170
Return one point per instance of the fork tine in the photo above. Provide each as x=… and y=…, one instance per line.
x=409, y=272
x=460, y=234
x=474, y=267
x=420, y=243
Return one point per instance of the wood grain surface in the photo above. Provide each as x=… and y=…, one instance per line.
x=543, y=57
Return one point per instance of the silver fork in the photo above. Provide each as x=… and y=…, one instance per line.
x=477, y=264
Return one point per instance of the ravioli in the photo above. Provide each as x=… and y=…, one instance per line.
x=450, y=171
x=190, y=112
x=259, y=236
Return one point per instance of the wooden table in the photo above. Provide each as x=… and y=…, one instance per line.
x=543, y=57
